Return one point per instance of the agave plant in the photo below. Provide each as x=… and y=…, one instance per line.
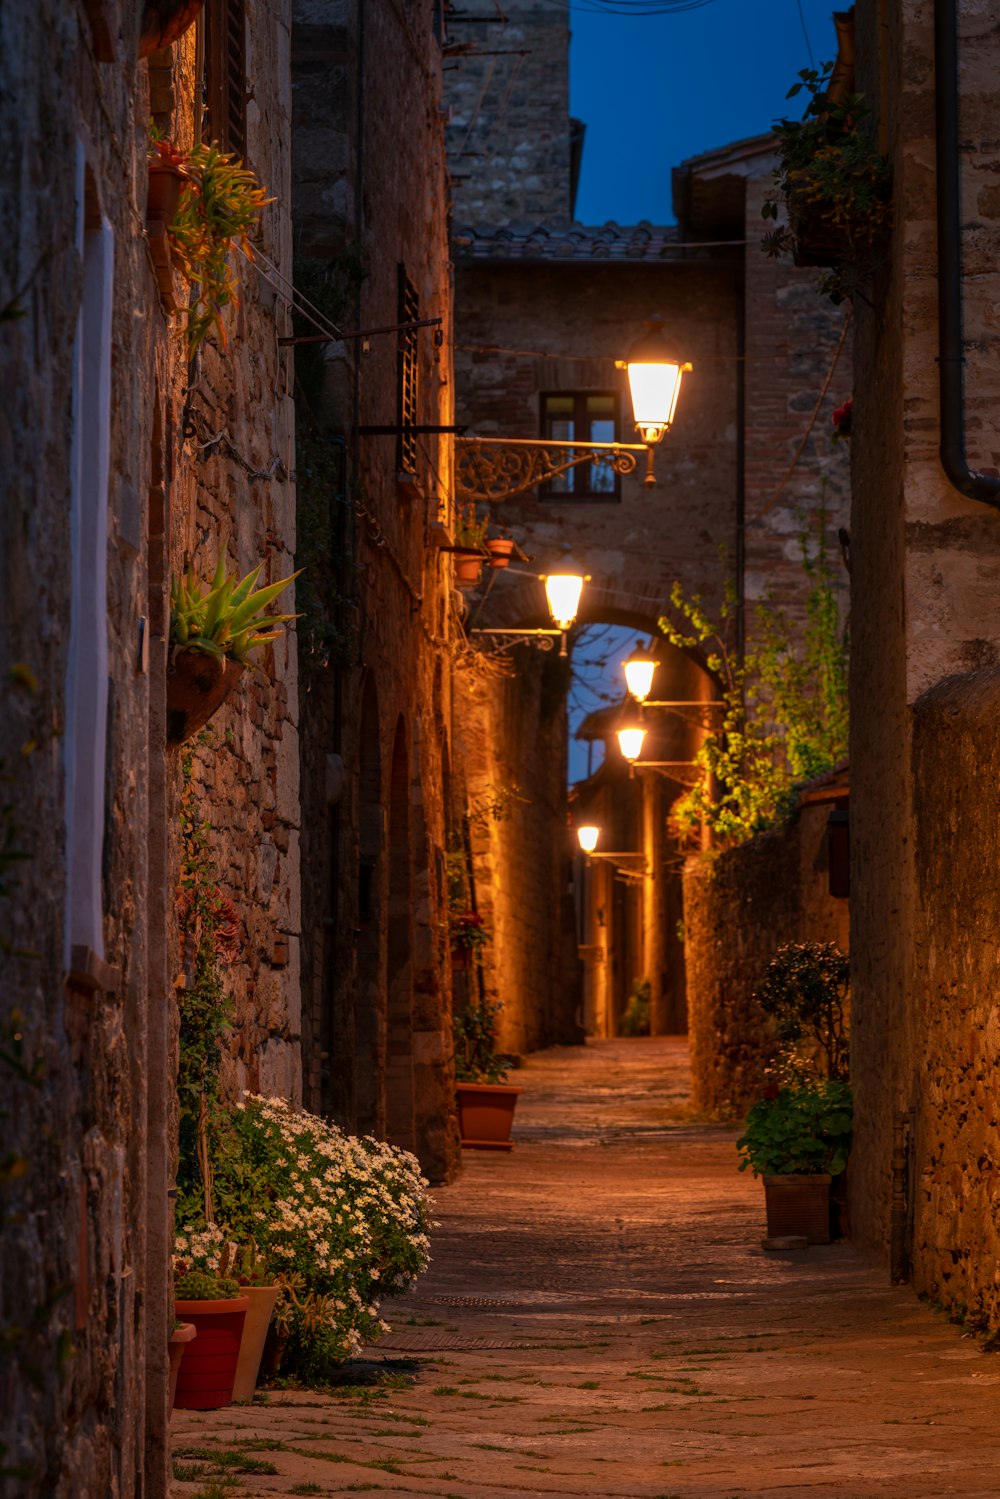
x=227, y=618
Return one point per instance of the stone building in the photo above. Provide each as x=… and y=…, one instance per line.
x=925, y=686
x=380, y=787
x=123, y=462
x=545, y=307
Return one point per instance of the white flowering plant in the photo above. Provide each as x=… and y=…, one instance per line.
x=342, y=1222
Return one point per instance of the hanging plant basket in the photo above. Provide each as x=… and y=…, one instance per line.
x=197, y=685
x=500, y=549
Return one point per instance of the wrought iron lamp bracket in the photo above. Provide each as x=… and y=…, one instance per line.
x=489, y=469
x=542, y=640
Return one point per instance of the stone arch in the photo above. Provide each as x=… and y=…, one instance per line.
x=399, y=1126
x=366, y=1106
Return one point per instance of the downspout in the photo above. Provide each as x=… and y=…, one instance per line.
x=951, y=356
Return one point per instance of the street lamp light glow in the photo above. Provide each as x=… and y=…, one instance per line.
x=562, y=590
x=588, y=837
x=654, y=377
x=630, y=742
x=639, y=669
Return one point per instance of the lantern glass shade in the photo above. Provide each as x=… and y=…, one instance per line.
x=630, y=742
x=562, y=591
x=588, y=838
x=639, y=671
x=654, y=377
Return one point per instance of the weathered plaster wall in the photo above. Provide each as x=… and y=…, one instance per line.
x=924, y=606
x=740, y=906
x=956, y=982
x=370, y=184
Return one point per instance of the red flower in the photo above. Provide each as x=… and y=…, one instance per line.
x=772, y=1090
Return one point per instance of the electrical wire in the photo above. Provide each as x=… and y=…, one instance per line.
x=805, y=33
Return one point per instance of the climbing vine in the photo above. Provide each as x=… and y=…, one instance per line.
x=784, y=717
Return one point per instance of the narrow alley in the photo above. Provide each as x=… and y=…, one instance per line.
x=600, y=1319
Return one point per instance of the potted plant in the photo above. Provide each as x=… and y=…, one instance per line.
x=805, y=993
x=468, y=936
x=167, y=168
x=470, y=539
x=797, y=1138
x=182, y=1335
x=220, y=203
x=835, y=185
x=501, y=549
x=212, y=632
x=217, y=1307
x=261, y=1287
x=485, y=1100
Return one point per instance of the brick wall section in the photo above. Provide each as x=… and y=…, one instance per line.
x=379, y=1034
x=955, y=784
x=924, y=608
x=740, y=906
x=508, y=138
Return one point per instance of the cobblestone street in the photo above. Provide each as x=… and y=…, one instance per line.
x=600, y=1319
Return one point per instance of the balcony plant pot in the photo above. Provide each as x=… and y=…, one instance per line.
x=500, y=549
x=258, y=1320
x=163, y=192
x=197, y=686
x=485, y=1114
x=205, y=1378
x=467, y=570
x=180, y=1338
x=798, y=1206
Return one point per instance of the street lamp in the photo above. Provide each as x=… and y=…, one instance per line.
x=562, y=593
x=654, y=377
x=630, y=741
x=639, y=669
x=588, y=838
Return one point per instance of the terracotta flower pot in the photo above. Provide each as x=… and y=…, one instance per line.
x=163, y=193
x=179, y=1340
x=798, y=1206
x=258, y=1320
x=197, y=685
x=467, y=571
x=500, y=549
x=205, y=1378
x=485, y=1114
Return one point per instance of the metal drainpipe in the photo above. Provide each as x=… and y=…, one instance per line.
x=951, y=355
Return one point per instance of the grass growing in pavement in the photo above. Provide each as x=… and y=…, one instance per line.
x=306, y=1488
x=221, y=1457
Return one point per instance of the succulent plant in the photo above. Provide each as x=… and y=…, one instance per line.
x=228, y=618
x=200, y=1285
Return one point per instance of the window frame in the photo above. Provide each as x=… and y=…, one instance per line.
x=580, y=397
x=224, y=40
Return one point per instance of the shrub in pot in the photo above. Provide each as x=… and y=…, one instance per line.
x=484, y=1099
x=215, y=1306
x=797, y=1138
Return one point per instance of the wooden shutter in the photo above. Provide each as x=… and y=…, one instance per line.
x=225, y=74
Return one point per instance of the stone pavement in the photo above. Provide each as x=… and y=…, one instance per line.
x=600, y=1320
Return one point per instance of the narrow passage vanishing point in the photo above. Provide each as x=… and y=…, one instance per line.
x=600, y=1320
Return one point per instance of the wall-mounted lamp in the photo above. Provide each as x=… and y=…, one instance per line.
x=588, y=838
x=563, y=590
x=639, y=669
x=488, y=469
x=628, y=866
x=630, y=740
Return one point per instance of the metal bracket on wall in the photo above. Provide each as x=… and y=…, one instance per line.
x=489, y=469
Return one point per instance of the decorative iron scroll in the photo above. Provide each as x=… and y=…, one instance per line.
x=502, y=641
x=490, y=469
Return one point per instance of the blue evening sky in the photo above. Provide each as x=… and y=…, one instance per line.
x=653, y=90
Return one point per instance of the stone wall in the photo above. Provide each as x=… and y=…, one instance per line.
x=924, y=608
x=87, y=985
x=370, y=193
x=740, y=906
x=956, y=775
x=510, y=738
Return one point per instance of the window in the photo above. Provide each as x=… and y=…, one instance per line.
x=589, y=416
x=225, y=75
x=408, y=311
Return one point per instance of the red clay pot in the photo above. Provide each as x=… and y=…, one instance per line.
x=500, y=549
x=798, y=1206
x=205, y=1378
x=467, y=571
x=197, y=685
x=163, y=194
x=180, y=1338
x=485, y=1115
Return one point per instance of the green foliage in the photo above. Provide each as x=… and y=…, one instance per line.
x=784, y=715
x=470, y=529
x=221, y=202
x=835, y=184
x=476, y=1057
x=803, y=1128
x=227, y=619
x=805, y=991
x=495, y=803
x=635, y=1020
x=467, y=930
x=201, y=1285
